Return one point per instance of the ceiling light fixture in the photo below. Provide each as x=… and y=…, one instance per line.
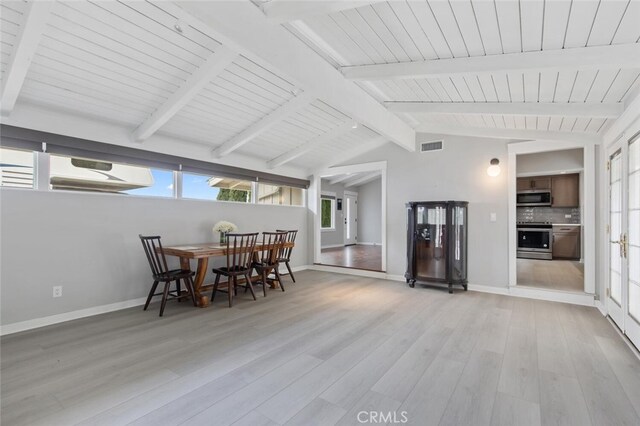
x=355, y=125
x=494, y=169
x=178, y=27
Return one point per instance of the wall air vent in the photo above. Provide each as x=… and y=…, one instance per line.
x=431, y=146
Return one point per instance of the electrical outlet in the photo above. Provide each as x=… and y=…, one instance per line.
x=57, y=291
x=493, y=217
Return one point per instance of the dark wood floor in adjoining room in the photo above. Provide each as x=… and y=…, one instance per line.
x=355, y=256
x=329, y=347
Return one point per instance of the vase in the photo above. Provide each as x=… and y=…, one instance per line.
x=223, y=238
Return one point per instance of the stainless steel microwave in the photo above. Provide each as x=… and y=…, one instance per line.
x=533, y=198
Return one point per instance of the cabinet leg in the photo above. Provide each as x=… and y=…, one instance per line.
x=450, y=289
x=412, y=284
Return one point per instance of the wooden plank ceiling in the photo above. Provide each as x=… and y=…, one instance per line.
x=412, y=31
x=124, y=61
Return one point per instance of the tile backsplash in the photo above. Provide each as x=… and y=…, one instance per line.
x=548, y=214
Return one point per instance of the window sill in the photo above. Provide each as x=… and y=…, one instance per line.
x=327, y=229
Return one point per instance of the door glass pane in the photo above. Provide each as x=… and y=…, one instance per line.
x=616, y=287
x=634, y=301
x=615, y=217
x=430, y=248
x=634, y=229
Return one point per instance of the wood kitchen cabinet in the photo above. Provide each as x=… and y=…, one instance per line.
x=536, y=182
x=565, y=190
x=566, y=242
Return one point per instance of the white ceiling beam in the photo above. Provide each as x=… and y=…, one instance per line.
x=295, y=104
x=362, y=179
x=524, y=134
x=214, y=65
x=312, y=144
x=528, y=108
x=243, y=27
x=281, y=11
x=354, y=153
x=24, y=50
x=340, y=178
x=579, y=58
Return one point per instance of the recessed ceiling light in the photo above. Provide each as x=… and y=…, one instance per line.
x=178, y=27
x=355, y=125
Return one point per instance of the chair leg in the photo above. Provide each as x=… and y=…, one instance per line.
x=178, y=289
x=286, y=263
x=264, y=282
x=275, y=270
x=189, y=284
x=165, y=295
x=153, y=290
x=215, y=287
x=250, y=286
x=230, y=290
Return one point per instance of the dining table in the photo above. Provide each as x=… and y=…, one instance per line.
x=201, y=252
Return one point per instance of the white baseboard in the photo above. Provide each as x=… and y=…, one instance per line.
x=349, y=271
x=504, y=291
x=17, y=327
x=368, y=244
x=332, y=246
x=582, y=299
x=601, y=307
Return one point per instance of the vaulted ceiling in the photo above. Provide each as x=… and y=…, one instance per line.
x=311, y=83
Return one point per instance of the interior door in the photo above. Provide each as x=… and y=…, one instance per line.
x=350, y=219
x=623, y=301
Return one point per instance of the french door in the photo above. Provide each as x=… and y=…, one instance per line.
x=350, y=218
x=623, y=295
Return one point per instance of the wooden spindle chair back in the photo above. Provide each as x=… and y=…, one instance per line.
x=285, y=253
x=153, y=249
x=240, y=249
x=272, y=244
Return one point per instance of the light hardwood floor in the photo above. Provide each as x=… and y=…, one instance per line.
x=565, y=275
x=328, y=348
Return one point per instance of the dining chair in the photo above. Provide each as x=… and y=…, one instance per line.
x=266, y=260
x=285, y=253
x=161, y=273
x=239, y=251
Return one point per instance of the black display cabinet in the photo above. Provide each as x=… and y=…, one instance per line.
x=437, y=243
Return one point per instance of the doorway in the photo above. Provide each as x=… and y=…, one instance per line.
x=623, y=292
x=350, y=218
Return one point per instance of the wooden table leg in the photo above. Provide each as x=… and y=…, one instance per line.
x=201, y=273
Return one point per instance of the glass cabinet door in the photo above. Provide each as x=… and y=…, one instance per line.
x=431, y=250
x=458, y=248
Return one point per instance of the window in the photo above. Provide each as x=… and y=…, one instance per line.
x=279, y=194
x=201, y=187
x=327, y=213
x=82, y=174
x=16, y=168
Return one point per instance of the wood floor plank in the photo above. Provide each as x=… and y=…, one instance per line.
x=316, y=354
x=561, y=401
x=318, y=412
x=428, y=400
x=383, y=408
x=474, y=395
x=509, y=411
x=519, y=373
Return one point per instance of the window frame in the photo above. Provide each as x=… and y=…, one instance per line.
x=331, y=197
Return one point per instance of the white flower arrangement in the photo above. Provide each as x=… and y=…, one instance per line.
x=224, y=227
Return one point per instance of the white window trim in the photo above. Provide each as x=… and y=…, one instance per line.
x=325, y=195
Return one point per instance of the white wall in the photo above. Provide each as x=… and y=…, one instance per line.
x=550, y=162
x=458, y=172
x=335, y=237
x=88, y=243
x=369, y=212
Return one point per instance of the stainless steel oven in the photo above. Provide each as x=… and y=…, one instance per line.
x=533, y=198
x=534, y=241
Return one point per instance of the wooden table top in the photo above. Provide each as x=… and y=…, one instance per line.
x=204, y=250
